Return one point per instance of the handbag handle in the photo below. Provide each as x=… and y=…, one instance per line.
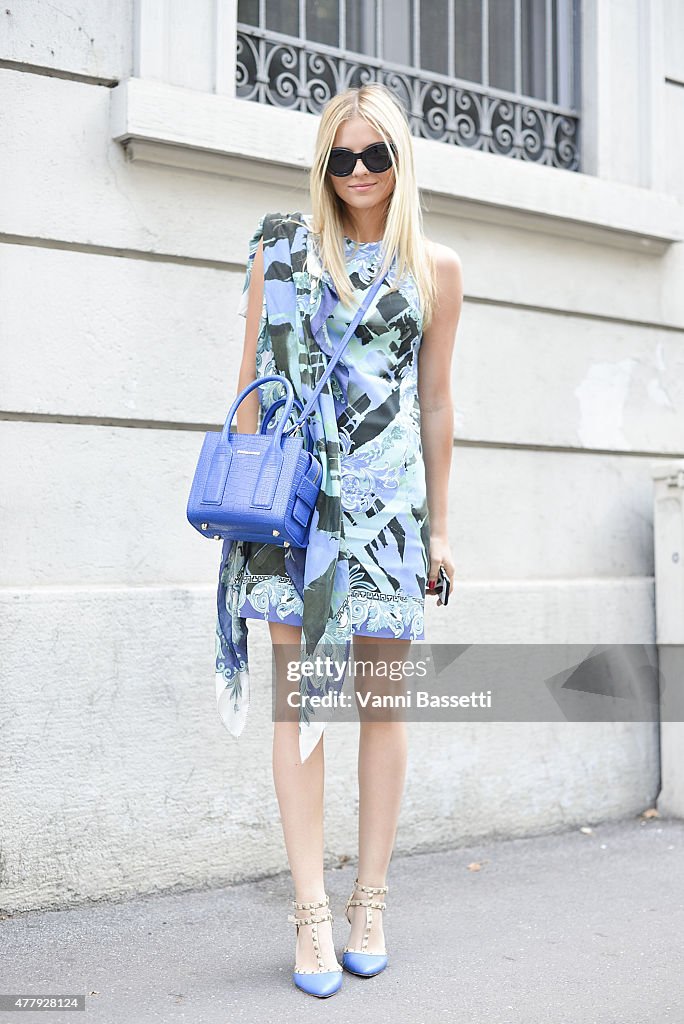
x=370, y=295
x=271, y=411
x=289, y=401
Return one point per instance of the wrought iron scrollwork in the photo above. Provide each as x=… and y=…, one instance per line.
x=300, y=75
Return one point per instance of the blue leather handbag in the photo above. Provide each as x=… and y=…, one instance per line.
x=264, y=487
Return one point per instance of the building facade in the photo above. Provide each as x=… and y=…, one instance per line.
x=141, y=142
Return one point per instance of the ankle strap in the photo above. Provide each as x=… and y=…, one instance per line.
x=311, y=906
x=379, y=905
x=372, y=889
x=311, y=919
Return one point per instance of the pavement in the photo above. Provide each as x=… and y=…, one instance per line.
x=568, y=927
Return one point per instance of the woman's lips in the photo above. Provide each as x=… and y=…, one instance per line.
x=362, y=188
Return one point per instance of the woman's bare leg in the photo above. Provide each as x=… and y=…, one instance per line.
x=299, y=788
x=382, y=773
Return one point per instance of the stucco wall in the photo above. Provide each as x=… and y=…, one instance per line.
x=119, y=284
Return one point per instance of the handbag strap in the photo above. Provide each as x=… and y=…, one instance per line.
x=370, y=295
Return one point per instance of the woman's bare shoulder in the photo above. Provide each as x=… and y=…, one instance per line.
x=444, y=256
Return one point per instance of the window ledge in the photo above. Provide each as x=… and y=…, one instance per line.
x=178, y=127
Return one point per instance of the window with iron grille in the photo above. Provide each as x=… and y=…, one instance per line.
x=501, y=76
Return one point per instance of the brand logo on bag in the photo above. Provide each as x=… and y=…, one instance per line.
x=245, y=451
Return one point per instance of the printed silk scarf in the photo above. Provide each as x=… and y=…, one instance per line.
x=299, y=296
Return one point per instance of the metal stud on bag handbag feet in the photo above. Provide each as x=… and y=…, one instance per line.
x=359, y=961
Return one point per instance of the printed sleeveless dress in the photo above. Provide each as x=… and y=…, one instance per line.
x=383, y=530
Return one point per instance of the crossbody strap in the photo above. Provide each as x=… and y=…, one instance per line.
x=370, y=295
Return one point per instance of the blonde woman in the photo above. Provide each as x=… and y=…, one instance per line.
x=383, y=432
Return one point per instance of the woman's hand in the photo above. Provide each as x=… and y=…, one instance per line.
x=440, y=554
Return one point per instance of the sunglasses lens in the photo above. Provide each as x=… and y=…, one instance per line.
x=341, y=162
x=378, y=158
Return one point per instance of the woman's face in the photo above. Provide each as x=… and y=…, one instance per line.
x=356, y=134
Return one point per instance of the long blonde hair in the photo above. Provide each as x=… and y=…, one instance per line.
x=403, y=233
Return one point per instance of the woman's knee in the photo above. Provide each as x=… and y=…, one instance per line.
x=379, y=679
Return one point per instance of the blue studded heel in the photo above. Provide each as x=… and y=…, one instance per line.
x=359, y=961
x=322, y=982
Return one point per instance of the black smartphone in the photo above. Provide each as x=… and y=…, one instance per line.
x=443, y=585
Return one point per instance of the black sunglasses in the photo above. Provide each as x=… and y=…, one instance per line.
x=376, y=157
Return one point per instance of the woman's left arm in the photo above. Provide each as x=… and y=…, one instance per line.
x=436, y=404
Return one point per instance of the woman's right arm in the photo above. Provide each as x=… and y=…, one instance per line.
x=248, y=410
